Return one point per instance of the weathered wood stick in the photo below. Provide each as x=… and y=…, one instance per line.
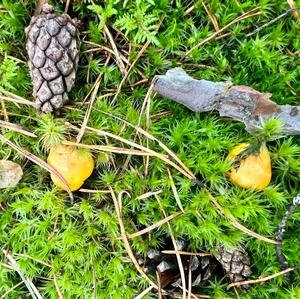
x=241, y=103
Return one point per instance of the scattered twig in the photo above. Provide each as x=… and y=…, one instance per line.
x=59, y=293
x=5, y=115
x=30, y=286
x=273, y=21
x=260, y=280
x=154, y=226
x=17, y=100
x=182, y=168
x=147, y=98
x=144, y=293
x=119, y=61
x=16, y=128
x=178, y=257
x=159, y=285
x=185, y=253
x=138, y=83
x=91, y=102
x=145, y=46
x=93, y=191
x=125, y=240
x=197, y=296
x=148, y=194
x=32, y=258
x=189, y=295
x=281, y=229
x=211, y=17
x=16, y=59
x=112, y=149
x=189, y=10
x=236, y=292
x=67, y=6
x=292, y=5
x=39, y=5
x=244, y=16
x=129, y=70
x=10, y=290
x=236, y=224
x=149, y=151
x=109, y=50
x=175, y=192
x=41, y=163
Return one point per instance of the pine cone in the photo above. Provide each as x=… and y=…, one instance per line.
x=235, y=262
x=166, y=265
x=53, y=49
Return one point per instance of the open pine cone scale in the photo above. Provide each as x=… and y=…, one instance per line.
x=53, y=49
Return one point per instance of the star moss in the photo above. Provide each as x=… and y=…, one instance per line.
x=76, y=248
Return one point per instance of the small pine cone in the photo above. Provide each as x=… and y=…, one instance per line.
x=53, y=49
x=235, y=262
x=203, y=268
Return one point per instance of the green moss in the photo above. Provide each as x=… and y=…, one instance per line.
x=82, y=241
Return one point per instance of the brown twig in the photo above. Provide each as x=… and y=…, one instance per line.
x=244, y=16
x=93, y=191
x=185, y=253
x=125, y=76
x=181, y=168
x=10, y=290
x=148, y=194
x=109, y=50
x=292, y=5
x=178, y=257
x=145, y=46
x=144, y=293
x=16, y=128
x=211, y=17
x=17, y=100
x=260, y=280
x=67, y=6
x=5, y=115
x=91, y=102
x=154, y=226
x=30, y=286
x=39, y=6
x=272, y=21
x=41, y=163
x=189, y=295
x=146, y=99
x=189, y=10
x=59, y=293
x=125, y=240
x=159, y=285
x=114, y=47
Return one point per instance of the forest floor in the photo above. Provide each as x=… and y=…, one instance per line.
x=55, y=249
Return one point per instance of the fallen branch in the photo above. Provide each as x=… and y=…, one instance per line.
x=241, y=103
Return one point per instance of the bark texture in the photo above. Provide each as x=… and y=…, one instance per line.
x=53, y=49
x=241, y=103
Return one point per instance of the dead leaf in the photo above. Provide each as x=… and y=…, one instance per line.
x=10, y=174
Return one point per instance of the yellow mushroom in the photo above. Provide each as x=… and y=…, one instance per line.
x=252, y=171
x=74, y=164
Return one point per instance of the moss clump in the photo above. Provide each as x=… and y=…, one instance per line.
x=80, y=244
